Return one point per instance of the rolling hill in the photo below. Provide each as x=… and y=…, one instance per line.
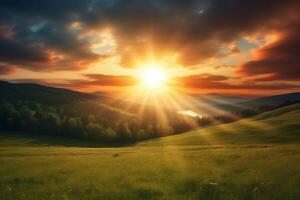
x=261, y=104
x=39, y=93
x=274, y=100
x=116, y=118
x=277, y=126
x=281, y=125
x=248, y=159
x=58, y=96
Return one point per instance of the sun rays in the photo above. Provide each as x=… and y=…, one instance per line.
x=159, y=102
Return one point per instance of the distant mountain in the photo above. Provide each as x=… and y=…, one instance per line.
x=215, y=98
x=101, y=94
x=57, y=98
x=39, y=93
x=224, y=104
x=214, y=104
x=274, y=100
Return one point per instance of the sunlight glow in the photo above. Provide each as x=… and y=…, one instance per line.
x=152, y=77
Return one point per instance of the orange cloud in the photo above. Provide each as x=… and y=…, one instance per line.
x=277, y=61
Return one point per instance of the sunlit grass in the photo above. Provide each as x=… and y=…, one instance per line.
x=148, y=173
x=276, y=126
x=241, y=160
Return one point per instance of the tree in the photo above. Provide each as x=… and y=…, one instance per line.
x=124, y=131
x=95, y=131
x=28, y=118
x=111, y=135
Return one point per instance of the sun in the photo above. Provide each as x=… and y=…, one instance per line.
x=152, y=77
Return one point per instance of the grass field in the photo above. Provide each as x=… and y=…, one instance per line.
x=255, y=158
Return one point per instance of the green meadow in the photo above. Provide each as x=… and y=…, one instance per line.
x=252, y=159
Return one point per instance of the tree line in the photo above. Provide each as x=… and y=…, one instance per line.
x=91, y=122
x=101, y=125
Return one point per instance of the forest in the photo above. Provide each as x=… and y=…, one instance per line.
x=90, y=121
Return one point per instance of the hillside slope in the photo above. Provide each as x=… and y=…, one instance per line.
x=278, y=126
x=39, y=93
x=273, y=100
x=210, y=164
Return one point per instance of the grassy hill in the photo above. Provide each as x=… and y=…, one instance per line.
x=260, y=104
x=256, y=158
x=277, y=126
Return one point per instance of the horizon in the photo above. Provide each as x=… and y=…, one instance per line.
x=246, y=97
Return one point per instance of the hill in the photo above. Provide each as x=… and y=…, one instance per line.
x=218, y=99
x=46, y=110
x=248, y=108
x=43, y=110
x=53, y=111
x=39, y=93
x=277, y=126
x=274, y=100
x=248, y=159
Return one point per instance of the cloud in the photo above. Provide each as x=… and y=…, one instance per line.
x=35, y=35
x=17, y=53
x=191, y=30
x=176, y=26
x=49, y=36
x=111, y=80
x=6, y=32
x=277, y=61
x=218, y=82
x=38, y=57
x=90, y=82
x=98, y=81
x=4, y=69
x=200, y=81
x=194, y=83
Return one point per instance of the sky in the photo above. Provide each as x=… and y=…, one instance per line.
x=236, y=47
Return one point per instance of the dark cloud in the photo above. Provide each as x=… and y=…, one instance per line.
x=6, y=32
x=177, y=25
x=278, y=61
x=35, y=35
x=46, y=51
x=193, y=29
x=16, y=53
x=54, y=10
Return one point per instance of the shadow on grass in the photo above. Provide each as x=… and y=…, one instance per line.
x=9, y=138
